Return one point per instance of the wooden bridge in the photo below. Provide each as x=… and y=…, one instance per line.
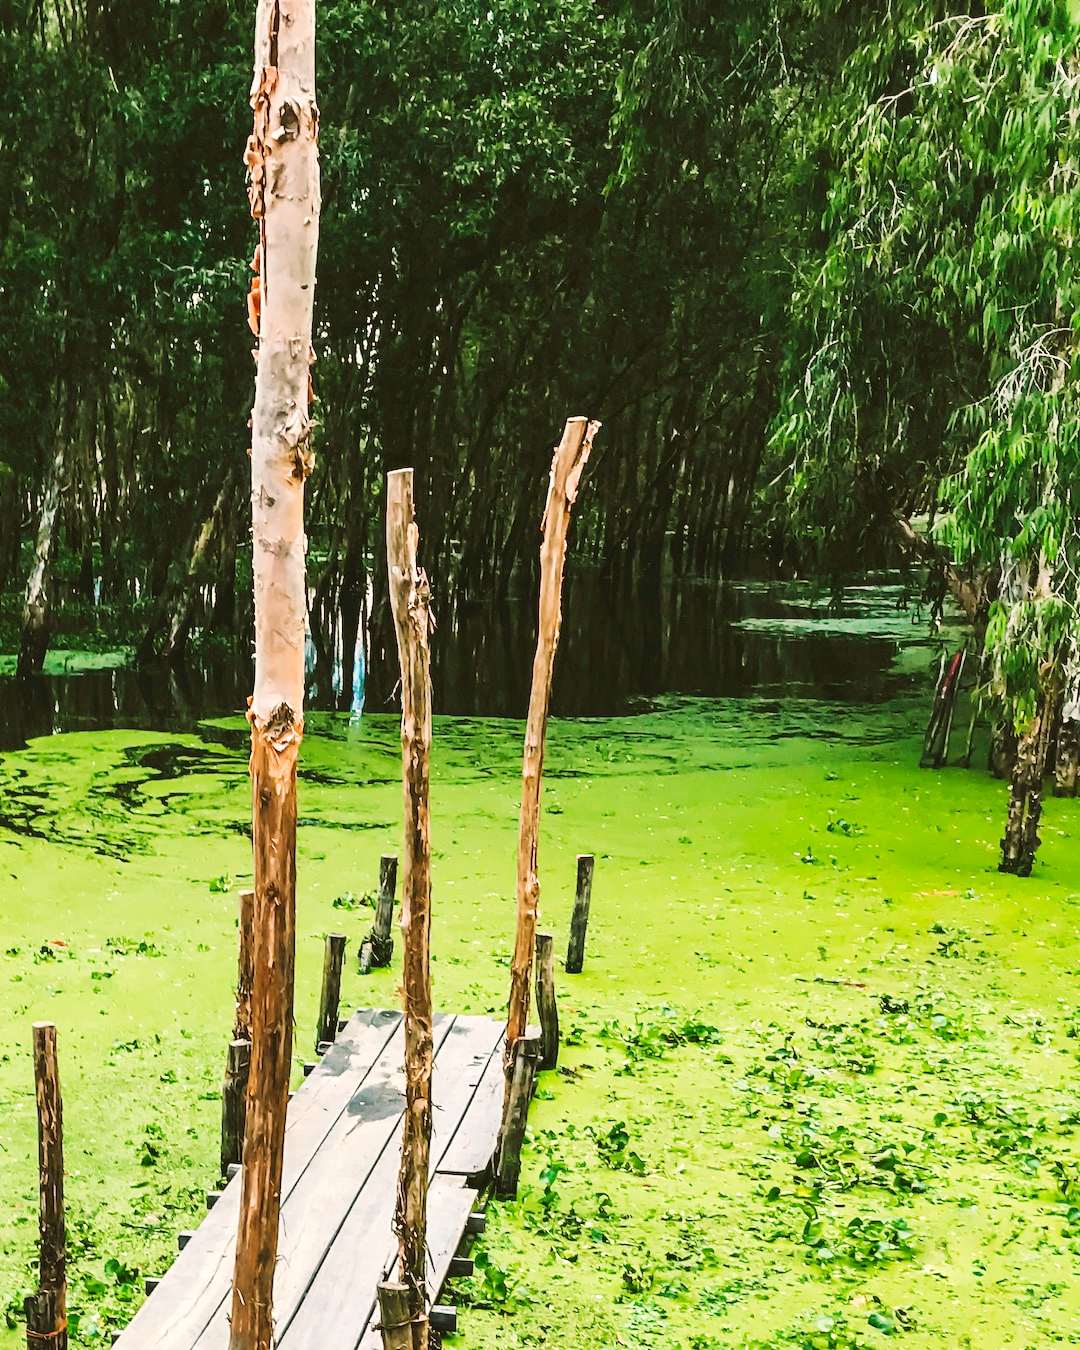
x=342, y=1145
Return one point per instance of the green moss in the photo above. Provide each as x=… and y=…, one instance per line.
x=818, y=1079
x=61, y=662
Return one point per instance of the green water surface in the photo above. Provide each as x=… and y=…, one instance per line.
x=818, y=1084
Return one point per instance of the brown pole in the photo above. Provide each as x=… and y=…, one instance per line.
x=283, y=192
x=245, y=972
x=330, y=997
x=566, y=468
x=46, y=1311
x=410, y=601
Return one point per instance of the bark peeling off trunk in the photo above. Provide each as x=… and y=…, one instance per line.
x=410, y=602
x=283, y=191
x=567, y=465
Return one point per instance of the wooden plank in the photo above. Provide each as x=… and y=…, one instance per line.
x=339, y=1304
x=470, y=1152
x=342, y=1169
x=178, y=1311
x=450, y=1202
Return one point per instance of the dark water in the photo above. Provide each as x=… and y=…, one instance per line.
x=618, y=652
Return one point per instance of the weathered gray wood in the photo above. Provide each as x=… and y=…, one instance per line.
x=179, y=1309
x=450, y=1203
x=233, y=1094
x=443, y=1319
x=336, y=1241
x=579, y=922
x=46, y=1310
x=523, y=1070
x=317, y=1206
x=395, y=1323
x=355, y=1263
x=471, y=1152
x=378, y=946
x=547, y=1009
x=330, y=998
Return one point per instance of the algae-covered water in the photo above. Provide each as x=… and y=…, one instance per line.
x=818, y=1084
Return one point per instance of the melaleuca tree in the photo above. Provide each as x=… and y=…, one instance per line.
x=931, y=370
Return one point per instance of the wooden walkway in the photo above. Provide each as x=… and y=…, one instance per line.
x=342, y=1146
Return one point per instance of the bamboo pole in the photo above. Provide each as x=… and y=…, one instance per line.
x=46, y=1311
x=410, y=602
x=566, y=467
x=283, y=192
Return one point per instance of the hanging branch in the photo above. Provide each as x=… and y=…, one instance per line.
x=283, y=190
x=566, y=467
x=410, y=602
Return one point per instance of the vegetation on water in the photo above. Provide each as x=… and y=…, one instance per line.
x=816, y=1081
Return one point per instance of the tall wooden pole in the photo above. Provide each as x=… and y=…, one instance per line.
x=566, y=467
x=46, y=1311
x=283, y=191
x=410, y=602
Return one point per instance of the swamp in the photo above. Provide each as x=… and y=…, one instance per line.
x=540, y=675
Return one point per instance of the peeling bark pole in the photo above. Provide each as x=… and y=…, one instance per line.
x=330, y=998
x=283, y=191
x=410, y=603
x=566, y=468
x=46, y=1311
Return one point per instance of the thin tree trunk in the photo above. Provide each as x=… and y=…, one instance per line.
x=34, y=640
x=283, y=190
x=1021, y=840
x=566, y=467
x=410, y=600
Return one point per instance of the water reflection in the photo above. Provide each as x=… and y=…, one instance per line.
x=618, y=651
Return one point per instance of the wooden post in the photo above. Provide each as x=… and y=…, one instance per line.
x=233, y=1093
x=512, y=1136
x=378, y=947
x=46, y=1311
x=395, y=1320
x=245, y=967
x=566, y=467
x=546, y=1007
x=283, y=192
x=410, y=601
x=579, y=923
x=330, y=998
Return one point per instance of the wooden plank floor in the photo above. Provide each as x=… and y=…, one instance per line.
x=342, y=1144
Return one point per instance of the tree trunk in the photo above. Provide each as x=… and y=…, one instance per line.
x=566, y=467
x=283, y=190
x=410, y=601
x=34, y=640
x=1067, y=760
x=1021, y=839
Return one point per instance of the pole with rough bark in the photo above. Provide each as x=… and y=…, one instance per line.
x=46, y=1311
x=566, y=467
x=410, y=603
x=283, y=191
